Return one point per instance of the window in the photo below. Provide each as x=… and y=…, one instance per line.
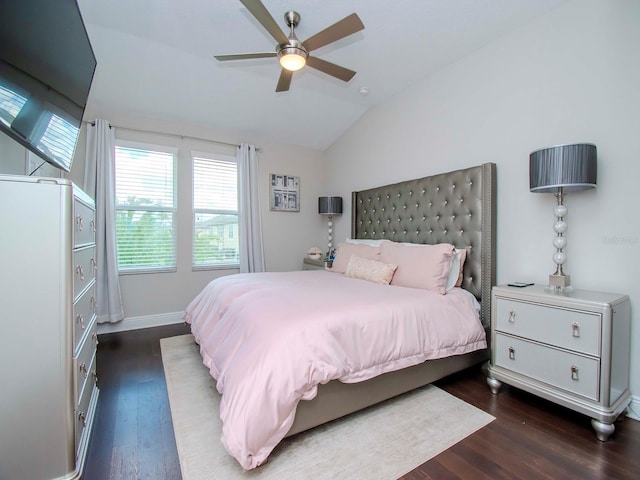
x=215, y=211
x=145, y=209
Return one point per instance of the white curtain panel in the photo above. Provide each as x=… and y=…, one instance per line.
x=99, y=179
x=249, y=214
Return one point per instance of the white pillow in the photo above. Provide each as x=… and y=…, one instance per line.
x=372, y=243
x=454, y=272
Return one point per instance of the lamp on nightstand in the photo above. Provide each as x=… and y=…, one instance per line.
x=330, y=206
x=562, y=169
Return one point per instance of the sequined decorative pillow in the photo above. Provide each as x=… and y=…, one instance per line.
x=370, y=270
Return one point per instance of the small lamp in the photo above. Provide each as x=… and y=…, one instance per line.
x=562, y=169
x=330, y=206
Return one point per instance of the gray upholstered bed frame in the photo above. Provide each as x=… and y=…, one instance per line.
x=457, y=207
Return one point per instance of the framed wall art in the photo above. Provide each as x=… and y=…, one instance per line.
x=284, y=193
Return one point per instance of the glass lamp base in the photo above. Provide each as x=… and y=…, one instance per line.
x=557, y=289
x=560, y=280
x=559, y=284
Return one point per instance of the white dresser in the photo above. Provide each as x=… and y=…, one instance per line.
x=48, y=340
x=572, y=349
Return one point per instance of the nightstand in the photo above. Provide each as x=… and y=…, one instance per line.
x=310, y=264
x=572, y=349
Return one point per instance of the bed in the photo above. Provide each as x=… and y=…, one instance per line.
x=456, y=208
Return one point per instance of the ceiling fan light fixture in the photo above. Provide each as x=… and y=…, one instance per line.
x=292, y=58
x=291, y=52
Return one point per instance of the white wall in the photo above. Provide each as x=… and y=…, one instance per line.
x=17, y=160
x=571, y=76
x=12, y=156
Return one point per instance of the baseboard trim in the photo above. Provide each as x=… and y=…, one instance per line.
x=146, y=321
x=634, y=408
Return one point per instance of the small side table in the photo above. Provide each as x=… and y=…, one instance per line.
x=570, y=348
x=310, y=264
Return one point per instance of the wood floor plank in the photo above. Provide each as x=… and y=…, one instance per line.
x=530, y=439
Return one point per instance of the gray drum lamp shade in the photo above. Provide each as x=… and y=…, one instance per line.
x=330, y=205
x=570, y=167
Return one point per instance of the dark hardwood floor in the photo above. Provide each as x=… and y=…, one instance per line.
x=132, y=436
x=530, y=438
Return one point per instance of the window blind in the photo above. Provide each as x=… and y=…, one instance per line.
x=215, y=212
x=145, y=209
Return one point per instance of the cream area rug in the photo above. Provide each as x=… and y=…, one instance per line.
x=382, y=442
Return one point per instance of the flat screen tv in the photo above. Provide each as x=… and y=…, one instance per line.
x=46, y=68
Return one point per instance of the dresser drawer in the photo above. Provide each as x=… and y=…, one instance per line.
x=84, y=224
x=571, y=372
x=84, y=311
x=574, y=330
x=84, y=362
x=86, y=381
x=84, y=269
x=83, y=413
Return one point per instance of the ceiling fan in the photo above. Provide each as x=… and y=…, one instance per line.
x=294, y=54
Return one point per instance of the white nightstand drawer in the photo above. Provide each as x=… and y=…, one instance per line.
x=574, y=373
x=574, y=330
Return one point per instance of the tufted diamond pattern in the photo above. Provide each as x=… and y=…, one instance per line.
x=456, y=207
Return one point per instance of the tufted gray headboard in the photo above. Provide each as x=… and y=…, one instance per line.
x=457, y=207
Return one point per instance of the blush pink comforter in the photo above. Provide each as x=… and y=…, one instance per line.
x=269, y=339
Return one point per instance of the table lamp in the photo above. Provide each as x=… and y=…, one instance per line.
x=562, y=169
x=330, y=206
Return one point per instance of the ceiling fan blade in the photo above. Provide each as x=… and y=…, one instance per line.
x=263, y=16
x=284, y=81
x=345, y=27
x=329, y=68
x=244, y=56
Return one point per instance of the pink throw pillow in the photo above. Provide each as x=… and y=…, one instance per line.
x=370, y=270
x=345, y=250
x=419, y=266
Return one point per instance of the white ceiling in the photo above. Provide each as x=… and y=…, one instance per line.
x=155, y=59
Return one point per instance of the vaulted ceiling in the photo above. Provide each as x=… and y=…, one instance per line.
x=155, y=59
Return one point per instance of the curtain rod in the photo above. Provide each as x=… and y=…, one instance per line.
x=156, y=132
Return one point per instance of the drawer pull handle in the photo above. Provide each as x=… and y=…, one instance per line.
x=512, y=353
x=94, y=303
x=92, y=224
x=575, y=329
x=95, y=338
x=80, y=320
x=83, y=418
x=94, y=264
x=95, y=377
x=83, y=370
x=80, y=271
x=512, y=316
x=79, y=223
x=574, y=373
